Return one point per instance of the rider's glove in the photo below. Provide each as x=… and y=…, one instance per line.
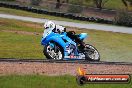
x=62, y=29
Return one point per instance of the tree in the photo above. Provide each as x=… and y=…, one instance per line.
x=58, y=4
x=100, y=3
x=123, y=18
x=125, y=2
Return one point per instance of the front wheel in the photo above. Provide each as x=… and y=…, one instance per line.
x=53, y=51
x=91, y=53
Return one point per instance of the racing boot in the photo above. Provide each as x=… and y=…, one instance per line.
x=81, y=44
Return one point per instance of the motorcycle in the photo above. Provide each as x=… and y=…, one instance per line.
x=59, y=46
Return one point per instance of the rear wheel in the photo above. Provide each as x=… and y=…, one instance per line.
x=91, y=53
x=53, y=51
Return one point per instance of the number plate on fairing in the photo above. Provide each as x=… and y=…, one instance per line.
x=75, y=57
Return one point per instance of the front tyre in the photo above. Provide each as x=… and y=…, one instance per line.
x=91, y=53
x=53, y=51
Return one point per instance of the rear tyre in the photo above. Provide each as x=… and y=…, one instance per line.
x=91, y=53
x=53, y=51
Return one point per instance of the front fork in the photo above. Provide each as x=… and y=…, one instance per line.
x=53, y=46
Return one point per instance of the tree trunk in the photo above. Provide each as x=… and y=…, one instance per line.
x=124, y=2
x=58, y=4
x=98, y=4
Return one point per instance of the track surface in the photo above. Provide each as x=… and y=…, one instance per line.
x=73, y=24
x=10, y=66
x=63, y=61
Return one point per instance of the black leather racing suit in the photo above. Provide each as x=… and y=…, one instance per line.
x=73, y=36
x=70, y=34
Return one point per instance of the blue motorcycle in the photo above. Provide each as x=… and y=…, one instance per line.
x=59, y=46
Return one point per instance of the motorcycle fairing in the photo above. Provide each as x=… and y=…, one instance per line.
x=82, y=36
x=65, y=42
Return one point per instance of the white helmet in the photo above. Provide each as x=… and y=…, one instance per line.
x=49, y=24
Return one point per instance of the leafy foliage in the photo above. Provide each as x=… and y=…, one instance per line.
x=123, y=18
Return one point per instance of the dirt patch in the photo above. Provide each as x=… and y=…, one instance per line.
x=22, y=32
x=22, y=68
x=3, y=23
x=32, y=25
x=91, y=12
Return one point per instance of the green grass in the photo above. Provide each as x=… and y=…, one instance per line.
x=20, y=46
x=110, y=4
x=15, y=45
x=112, y=46
x=38, y=81
x=115, y=4
x=9, y=24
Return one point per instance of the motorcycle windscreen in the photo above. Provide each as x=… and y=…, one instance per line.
x=82, y=36
x=47, y=32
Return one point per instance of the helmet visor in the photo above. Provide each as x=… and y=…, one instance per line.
x=46, y=27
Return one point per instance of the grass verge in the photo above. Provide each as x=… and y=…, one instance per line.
x=112, y=46
x=37, y=81
x=15, y=45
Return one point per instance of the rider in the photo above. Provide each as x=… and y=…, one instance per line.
x=59, y=29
